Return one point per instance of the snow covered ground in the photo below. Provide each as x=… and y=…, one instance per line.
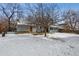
x=58, y=44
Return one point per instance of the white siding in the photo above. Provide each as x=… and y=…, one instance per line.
x=22, y=27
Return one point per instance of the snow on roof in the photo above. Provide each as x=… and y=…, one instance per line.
x=21, y=23
x=55, y=26
x=61, y=22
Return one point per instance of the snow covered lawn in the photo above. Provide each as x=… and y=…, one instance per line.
x=37, y=45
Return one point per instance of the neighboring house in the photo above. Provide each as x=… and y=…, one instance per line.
x=53, y=28
x=59, y=26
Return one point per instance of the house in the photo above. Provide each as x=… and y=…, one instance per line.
x=23, y=27
x=27, y=27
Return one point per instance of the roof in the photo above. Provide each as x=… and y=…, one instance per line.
x=56, y=26
x=20, y=23
x=60, y=22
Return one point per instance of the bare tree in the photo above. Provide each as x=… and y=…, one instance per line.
x=19, y=11
x=8, y=10
x=43, y=14
x=71, y=18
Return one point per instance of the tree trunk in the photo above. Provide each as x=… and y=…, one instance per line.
x=9, y=24
x=45, y=33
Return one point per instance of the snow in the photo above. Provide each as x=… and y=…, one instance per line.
x=58, y=44
x=61, y=22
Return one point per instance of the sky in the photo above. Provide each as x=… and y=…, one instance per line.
x=66, y=6
x=63, y=6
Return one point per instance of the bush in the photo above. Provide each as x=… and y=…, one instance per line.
x=77, y=32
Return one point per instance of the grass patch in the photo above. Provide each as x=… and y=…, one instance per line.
x=37, y=33
x=21, y=32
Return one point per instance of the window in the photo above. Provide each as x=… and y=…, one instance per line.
x=51, y=28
